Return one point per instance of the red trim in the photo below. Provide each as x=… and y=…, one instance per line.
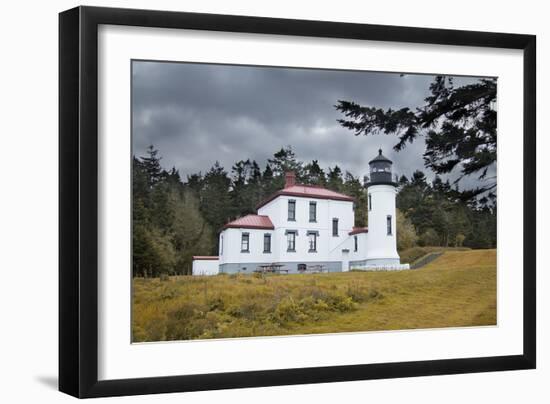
x=249, y=226
x=205, y=257
x=358, y=230
x=305, y=195
x=251, y=222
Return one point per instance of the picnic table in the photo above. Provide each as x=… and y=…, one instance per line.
x=271, y=268
x=317, y=268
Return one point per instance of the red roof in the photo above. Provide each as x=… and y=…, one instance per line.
x=251, y=222
x=357, y=230
x=307, y=191
x=204, y=257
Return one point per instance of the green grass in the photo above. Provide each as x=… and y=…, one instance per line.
x=457, y=289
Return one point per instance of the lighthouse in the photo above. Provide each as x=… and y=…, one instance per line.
x=382, y=234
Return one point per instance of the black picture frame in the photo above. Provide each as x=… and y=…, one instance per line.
x=78, y=201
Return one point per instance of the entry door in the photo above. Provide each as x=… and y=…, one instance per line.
x=345, y=261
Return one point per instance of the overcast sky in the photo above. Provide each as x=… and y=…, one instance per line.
x=195, y=114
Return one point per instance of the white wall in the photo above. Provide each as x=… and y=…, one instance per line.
x=328, y=247
x=232, y=246
x=206, y=267
x=28, y=291
x=361, y=252
x=380, y=244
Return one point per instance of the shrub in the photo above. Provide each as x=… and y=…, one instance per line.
x=406, y=234
x=288, y=311
x=341, y=303
x=459, y=240
x=183, y=322
x=374, y=294
x=412, y=254
x=360, y=294
x=215, y=303
x=429, y=237
x=249, y=309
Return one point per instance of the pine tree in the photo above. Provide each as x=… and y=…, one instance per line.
x=215, y=199
x=268, y=185
x=242, y=195
x=352, y=186
x=151, y=164
x=314, y=174
x=459, y=125
x=282, y=162
x=334, y=179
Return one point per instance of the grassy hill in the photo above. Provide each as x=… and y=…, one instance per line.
x=457, y=289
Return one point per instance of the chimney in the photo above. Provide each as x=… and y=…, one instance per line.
x=290, y=179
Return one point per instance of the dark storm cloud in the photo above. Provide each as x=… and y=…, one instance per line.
x=195, y=114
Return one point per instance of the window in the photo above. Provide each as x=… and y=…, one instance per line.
x=267, y=243
x=370, y=202
x=313, y=211
x=312, y=241
x=221, y=245
x=291, y=210
x=335, y=227
x=388, y=225
x=291, y=241
x=245, y=242
x=355, y=243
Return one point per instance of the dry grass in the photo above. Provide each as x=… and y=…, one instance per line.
x=457, y=289
x=411, y=255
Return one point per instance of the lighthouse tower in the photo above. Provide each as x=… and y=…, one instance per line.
x=382, y=237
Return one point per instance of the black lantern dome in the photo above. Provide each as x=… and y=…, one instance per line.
x=380, y=170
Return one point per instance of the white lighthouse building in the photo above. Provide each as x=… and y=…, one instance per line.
x=382, y=238
x=306, y=228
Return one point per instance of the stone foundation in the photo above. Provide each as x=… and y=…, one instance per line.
x=292, y=267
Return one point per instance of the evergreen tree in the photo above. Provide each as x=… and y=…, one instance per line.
x=352, y=186
x=173, y=221
x=406, y=233
x=255, y=185
x=282, y=162
x=314, y=174
x=191, y=234
x=459, y=125
x=215, y=198
x=242, y=194
x=335, y=181
x=194, y=183
x=268, y=184
x=151, y=165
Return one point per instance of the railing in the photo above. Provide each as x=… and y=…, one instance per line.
x=426, y=260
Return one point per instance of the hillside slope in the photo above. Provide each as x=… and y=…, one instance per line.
x=457, y=289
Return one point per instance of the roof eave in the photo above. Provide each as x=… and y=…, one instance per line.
x=251, y=226
x=205, y=258
x=359, y=231
x=300, y=195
